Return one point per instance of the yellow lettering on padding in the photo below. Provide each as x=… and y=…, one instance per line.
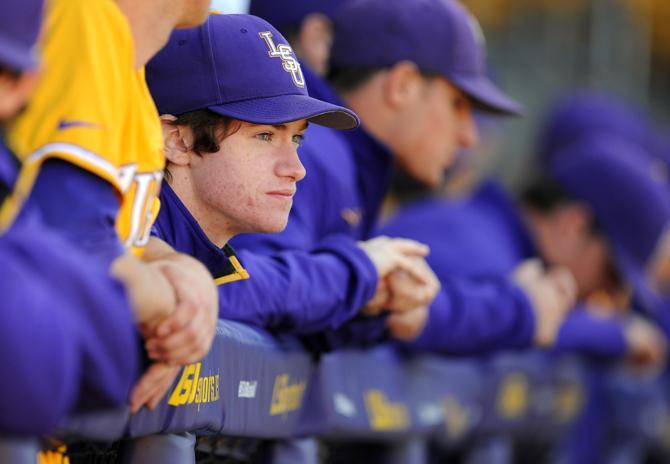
x=192, y=388
x=456, y=417
x=513, y=396
x=384, y=414
x=194, y=383
x=286, y=397
x=184, y=389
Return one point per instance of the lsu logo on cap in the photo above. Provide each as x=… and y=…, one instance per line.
x=285, y=53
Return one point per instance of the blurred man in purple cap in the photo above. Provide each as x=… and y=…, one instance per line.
x=306, y=24
x=91, y=149
x=413, y=71
x=582, y=113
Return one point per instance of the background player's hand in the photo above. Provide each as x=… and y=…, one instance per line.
x=152, y=386
x=552, y=295
x=151, y=294
x=375, y=306
x=186, y=335
x=407, y=293
x=647, y=346
x=407, y=326
x=389, y=255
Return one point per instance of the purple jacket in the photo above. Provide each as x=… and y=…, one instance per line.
x=68, y=340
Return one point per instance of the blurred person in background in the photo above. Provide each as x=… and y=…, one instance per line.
x=597, y=208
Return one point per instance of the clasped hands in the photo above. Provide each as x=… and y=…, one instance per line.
x=175, y=304
x=406, y=285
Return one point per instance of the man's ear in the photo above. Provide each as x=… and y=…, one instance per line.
x=403, y=84
x=177, y=141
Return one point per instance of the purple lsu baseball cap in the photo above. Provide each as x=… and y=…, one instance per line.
x=20, y=23
x=583, y=113
x=289, y=13
x=439, y=36
x=615, y=179
x=238, y=66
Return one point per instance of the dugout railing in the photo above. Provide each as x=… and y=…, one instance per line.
x=253, y=384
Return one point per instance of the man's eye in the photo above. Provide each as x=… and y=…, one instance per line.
x=298, y=139
x=265, y=136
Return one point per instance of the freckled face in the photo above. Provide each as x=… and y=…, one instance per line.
x=248, y=185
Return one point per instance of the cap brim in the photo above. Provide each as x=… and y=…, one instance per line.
x=486, y=95
x=15, y=56
x=286, y=108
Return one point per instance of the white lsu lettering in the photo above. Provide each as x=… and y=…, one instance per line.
x=285, y=53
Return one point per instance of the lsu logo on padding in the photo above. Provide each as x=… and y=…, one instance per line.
x=286, y=397
x=192, y=388
x=285, y=53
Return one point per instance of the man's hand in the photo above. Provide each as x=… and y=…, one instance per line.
x=408, y=293
x=182, y=336
x=153, y=385
x=151, y=294
x=186, y=335
x=647, y=347
x=376, y=305
x=552, y=295
x=407, y=326
x=389, y=255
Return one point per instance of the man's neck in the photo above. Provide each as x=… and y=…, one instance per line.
x=150, y=26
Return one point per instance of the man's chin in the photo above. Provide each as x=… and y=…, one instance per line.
x=271, y=227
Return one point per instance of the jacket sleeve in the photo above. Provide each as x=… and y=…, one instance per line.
x=68, y=339
x=301, y=292
x=84, y=210
x=591, y=335
x=477, y=316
